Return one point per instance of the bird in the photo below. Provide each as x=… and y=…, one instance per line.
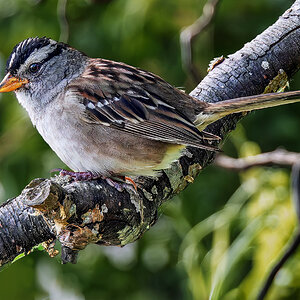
x=111, y=120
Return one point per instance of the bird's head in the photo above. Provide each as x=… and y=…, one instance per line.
x=39, y=68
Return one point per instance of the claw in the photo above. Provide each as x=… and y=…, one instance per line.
x=131, y=181
x=119, y=186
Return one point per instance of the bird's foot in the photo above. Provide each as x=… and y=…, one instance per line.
x=125, y=182
x=121, y=185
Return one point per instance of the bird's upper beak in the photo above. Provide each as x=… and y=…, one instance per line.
x=11, y=83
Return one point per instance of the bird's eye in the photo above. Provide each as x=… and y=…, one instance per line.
x=33, y=68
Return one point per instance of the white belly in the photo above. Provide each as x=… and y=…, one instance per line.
x=101, y=149
x=72, y=143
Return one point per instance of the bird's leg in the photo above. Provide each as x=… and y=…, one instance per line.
x=87, y=175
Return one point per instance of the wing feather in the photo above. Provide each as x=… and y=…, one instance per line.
x=136, y=110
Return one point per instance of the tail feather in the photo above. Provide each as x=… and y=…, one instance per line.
x=216, y=111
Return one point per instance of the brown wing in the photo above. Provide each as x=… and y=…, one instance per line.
x=110, y=101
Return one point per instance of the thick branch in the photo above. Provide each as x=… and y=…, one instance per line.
x=78, y=213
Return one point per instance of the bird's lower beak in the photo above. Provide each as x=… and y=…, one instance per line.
x=11, y=83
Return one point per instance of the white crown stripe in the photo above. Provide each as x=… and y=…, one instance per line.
x=12, y=59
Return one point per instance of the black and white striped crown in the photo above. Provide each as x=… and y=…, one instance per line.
x=25, y=48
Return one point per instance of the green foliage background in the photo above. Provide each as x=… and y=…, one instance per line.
x=222, y=234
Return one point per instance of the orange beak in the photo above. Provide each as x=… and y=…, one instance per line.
x=11, y=83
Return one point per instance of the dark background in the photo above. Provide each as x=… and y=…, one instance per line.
x=222, y=234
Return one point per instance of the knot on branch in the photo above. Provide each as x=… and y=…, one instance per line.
x=56, y=206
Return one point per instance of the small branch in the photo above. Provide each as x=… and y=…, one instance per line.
x=295, y=244
x=296, y=189
x=288, y=253
x=62, y=19
x=279, y=157
x=189, y=34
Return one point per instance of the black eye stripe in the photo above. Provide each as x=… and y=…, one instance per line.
x=34, y=67
x=57, y=51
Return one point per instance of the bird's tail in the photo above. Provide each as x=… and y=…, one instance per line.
x=216, y=111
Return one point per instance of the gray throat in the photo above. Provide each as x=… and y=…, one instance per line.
x=37, y=96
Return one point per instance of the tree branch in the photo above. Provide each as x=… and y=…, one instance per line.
x=188, y=35
x=279, y=157
x=78, y=213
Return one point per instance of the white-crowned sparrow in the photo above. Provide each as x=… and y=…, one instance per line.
x=109, y=118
